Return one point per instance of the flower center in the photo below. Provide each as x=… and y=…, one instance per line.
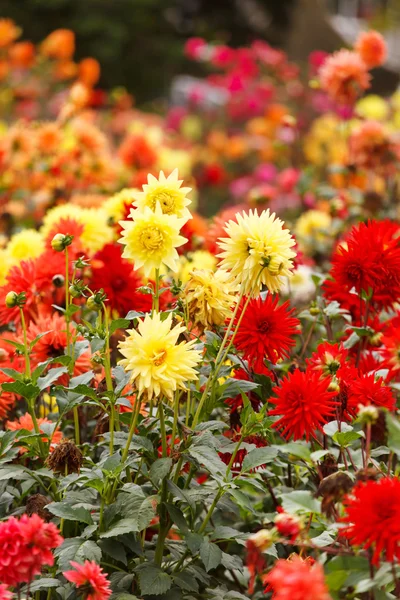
x=167, y=202
x=264, y=326
x=118, y=283
x=151, y=239
x=355, y=273
x=159, y=358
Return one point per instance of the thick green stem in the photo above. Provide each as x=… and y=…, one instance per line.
x=156, y=296
x=222, y=355
x=135, y=417
x=164, y=526
x=107, y=369
x=175, y=422
x=26, y=347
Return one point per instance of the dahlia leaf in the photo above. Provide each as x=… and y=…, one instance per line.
x=300, y=501
x=296, y=449
x=153, y=581
x=160, y=469
x=51, y=377
x=26, y=390
x=258, y=457
x=118, y=324
x=393, y=426
x=42, y=584
x=70, y=513
x=210, y=554
x=186, y=582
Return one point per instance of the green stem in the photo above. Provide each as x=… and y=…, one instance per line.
x=135, y=417
x=221, y=491
x=162, y=430
x=67, y=300
x=107, y=369
x=222, y=354
x=175, y=422
x=26, y=348
x=156, y=297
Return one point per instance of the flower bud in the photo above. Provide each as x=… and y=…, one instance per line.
x=334, y=385
x=60, y=241
x=13, y=299
x=77, y=288
x=275, y=265
x=288, y=525
x=367, y=414
x=262, y=540
x=58, y=281
x=94, y=303
x=314, y=310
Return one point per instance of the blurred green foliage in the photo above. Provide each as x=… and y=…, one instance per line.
x=139, y=43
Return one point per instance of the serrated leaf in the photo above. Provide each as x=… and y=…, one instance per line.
x=153, y=581
x=51, y=377
x=300, y=501
x=43, y=583
x=345, y=439
x=296, y=449
x=160, y=469
x=210, y=554
x=26, y=390
x=76, y=549
x=258, y=457
x=208, y=458
x=70, y=512
x=186, y=582
x=121, y=527
x=119, y=324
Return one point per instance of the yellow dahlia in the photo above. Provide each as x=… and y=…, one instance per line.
x=115, y=206
x=151, y=239
x=209, y=298
x=165, y=191
x=199, y=259
x=257, y=251
x=312, y=228
x=158, y=364
x=25, y=244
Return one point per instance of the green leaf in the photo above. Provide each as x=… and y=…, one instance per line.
x=85, y=390
x=37, y=338
x=226, y=533
x=345, y=439
x=208, y=458
x=322, y=540
x=114, y=549
x=258, y=457
x=300, y=501
x=42, y=584
x=134, y=314
x=393, y=427
x=177, y=516
x=186, y=582
x=153, y=581
x=17, y=375
x=129, y=525
x=210, y=554
x=26, y=390
x=160, y=469
x=119, y=324
x=77, y=549
x=296, y=449
x=51, y=377
x=70, y=512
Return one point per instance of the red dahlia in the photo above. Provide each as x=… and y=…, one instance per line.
x=90, y=576
x=119, y=281
x=25, y=547
x=370, y=258
x=21, y=278
x=304, y=403
x=328, y=358
x=266, y=330
x=297, y=579
x=367, y=391
x=373, y=518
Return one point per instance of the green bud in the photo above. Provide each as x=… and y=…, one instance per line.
x=13, y=299
x=60, y=241
x=93, y=304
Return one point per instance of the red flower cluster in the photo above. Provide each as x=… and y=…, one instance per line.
x=266, y=330
x=90, y=576
x=25, y=547
x=297, y=579
x=373, y=518
x=369, y=259
x=304, y=403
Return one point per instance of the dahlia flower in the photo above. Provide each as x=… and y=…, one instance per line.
x=257, y=251
x=90, y=576
x=158, y=364
x=371, y=46
x=297, y=579
x=151, y=239
x=373, y=518
x=167, y=192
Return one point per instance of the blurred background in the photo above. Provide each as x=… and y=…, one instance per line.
x=139, y=42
